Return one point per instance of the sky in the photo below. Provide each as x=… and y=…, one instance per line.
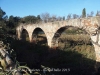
x=23, y=8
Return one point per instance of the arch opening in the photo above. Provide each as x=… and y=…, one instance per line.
x=75, y=39
x=39, y=37
x=62, y=34
x=24, y=35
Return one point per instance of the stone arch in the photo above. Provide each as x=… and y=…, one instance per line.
x=39, y=35
x=95, y=41
x=24, y=35
x=19, y=30
x=59, y=31
x=56, y=36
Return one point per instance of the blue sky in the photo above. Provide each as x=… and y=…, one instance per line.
x=54, y=7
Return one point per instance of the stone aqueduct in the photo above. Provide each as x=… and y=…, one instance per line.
x=90, y=25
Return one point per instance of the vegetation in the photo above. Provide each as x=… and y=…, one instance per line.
x=9, y=25
x=98, y=13
x=75, y=53
x=84, y=13
x=8, y=63
x=31, y=19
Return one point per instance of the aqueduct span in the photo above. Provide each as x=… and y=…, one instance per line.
x=90, y=25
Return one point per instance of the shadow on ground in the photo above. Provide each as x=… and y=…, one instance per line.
x=61, y=62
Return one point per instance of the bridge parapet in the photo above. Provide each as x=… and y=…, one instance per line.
x=91, y=25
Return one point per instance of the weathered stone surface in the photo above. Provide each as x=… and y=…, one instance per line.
x=91, y=25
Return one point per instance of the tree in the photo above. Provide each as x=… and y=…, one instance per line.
x=45, y=17
x=38, y=18
x=13, y=21
x=2, y=14
x=88, y=15
x=91, y=14
x=53, y=18
x=30, y=19
x=63, y=17
x=3, y=18
x=59, y=18
x=75, y=16
x=69, y=16
x=84, y=13
x=3, y=21
x=98, y=13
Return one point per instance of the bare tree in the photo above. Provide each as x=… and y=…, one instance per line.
x=69, y=16
x=80, y=16
x=59, y=18
x=53, y=18
x=63, y=17
x=98, y=13
x=75, y=16
x=91, y=14
x=45, y=16
x=88, y=15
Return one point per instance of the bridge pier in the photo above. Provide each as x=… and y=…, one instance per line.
x=97, y=52
x=96, y=42
x=30, y=36
x=49, y=41
x=18, y=35
x=55, y=42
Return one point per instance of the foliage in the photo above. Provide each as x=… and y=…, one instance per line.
x=4, y=66
x=3, y=15
x=31, y=19
x=84, y=13
x=77, y=52
x=13, y=21
x=74, y=58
